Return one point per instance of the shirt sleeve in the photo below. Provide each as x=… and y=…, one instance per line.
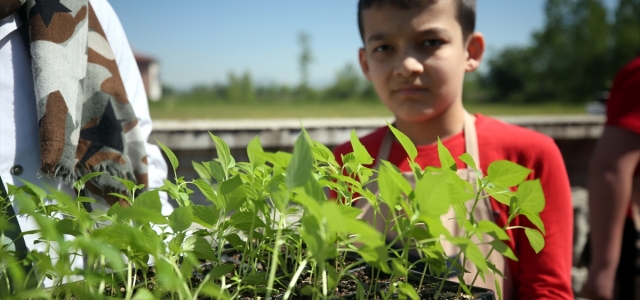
x=623, y=105
x=547, y=274
x=135, y=92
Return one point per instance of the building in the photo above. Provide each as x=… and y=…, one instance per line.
x=150, y=71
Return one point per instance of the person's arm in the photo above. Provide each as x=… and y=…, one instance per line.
x=547, y=274
x=134, y=87
x=610, y=184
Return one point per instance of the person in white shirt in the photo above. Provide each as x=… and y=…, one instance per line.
x=25, y=113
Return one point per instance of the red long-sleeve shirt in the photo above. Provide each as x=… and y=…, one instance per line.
x=546, y=275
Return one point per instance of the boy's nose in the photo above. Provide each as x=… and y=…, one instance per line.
x=409, y=66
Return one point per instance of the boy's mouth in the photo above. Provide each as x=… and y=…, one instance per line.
x=410, y=90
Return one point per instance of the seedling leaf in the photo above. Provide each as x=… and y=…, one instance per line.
x=406, y=143
x=535, y=239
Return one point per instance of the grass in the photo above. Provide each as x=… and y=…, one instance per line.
x=211, y=110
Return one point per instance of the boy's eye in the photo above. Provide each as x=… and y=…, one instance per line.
x=432, y=43
x=382, y=48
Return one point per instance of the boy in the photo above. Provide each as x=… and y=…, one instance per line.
x=416, y=54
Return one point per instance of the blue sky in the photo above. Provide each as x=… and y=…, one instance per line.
x=201, y=41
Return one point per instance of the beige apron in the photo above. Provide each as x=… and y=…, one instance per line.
x=483, y=211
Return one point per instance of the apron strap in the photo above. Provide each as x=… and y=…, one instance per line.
x=471, y=138
x=385, y=149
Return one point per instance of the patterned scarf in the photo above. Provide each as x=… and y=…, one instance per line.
x=86, y=121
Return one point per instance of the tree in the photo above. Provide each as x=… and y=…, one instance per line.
x=626, y=33
x=348, y=84
x=567, y=62
x=305, y=58
x=240, y=88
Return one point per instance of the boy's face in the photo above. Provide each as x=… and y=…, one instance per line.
x=416, y=58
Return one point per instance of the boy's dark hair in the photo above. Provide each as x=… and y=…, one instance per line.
x=465, y=12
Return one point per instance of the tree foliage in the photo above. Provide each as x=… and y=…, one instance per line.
x=575, y=54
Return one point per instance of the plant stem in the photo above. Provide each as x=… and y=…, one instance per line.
x=447, y=274
x=274, y=259
x=129, y=283
x=294, y=279
x=477, y=273
x=323, y=269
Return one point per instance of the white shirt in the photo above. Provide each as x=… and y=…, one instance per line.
x=19, y=142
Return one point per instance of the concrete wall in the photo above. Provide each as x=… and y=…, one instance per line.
x=576, y=137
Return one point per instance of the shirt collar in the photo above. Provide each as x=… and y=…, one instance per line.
x=9, y=24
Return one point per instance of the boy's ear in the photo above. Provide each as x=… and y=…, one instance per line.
x=364, y=64
x=475, y=51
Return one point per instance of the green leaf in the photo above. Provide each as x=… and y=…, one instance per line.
x=206, y=190
x=235, y=241
x=143, y=294
x=34, y=190
x=433, y=194
x=406, y=143
x=67, y=226
x=471, y=251
x=530, y=196
x=246, y=221
x=494, y=269
x=399, y=268
x=397, y=177
x=311, y=235
x=376, y=256
x=181, y=219
x=200, y=248
x=204, y=216
x=255, y=152
x=216, y=170
x=534, y=218
x=408, y=290
x=502, y=195
x=166, y=276
x=201, y=170
x=503, y=249
x=388, y=189
x=323, y=154
x=128, y=184
x=359, y=291
x=149, y=200
x=299, y=170
x=98, y=248
x=233, y=193
x=172, y=157
x=32, y=294
x=139, y=214
x=224, y=154
x=468, y=160
x=504, y=173
x=498, y=287
x=446, y=160
x=79, y=184
x=360, y=152
x=332, y=277
x=280, y=199
x=535, y=239
x=222, y=270
x=215, y=291
x=489, y=227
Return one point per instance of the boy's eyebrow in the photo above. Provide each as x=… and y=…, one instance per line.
x=376, y=37
x=429, y=31
x=434, y=31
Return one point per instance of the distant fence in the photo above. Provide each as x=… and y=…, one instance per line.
x=575, y=135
